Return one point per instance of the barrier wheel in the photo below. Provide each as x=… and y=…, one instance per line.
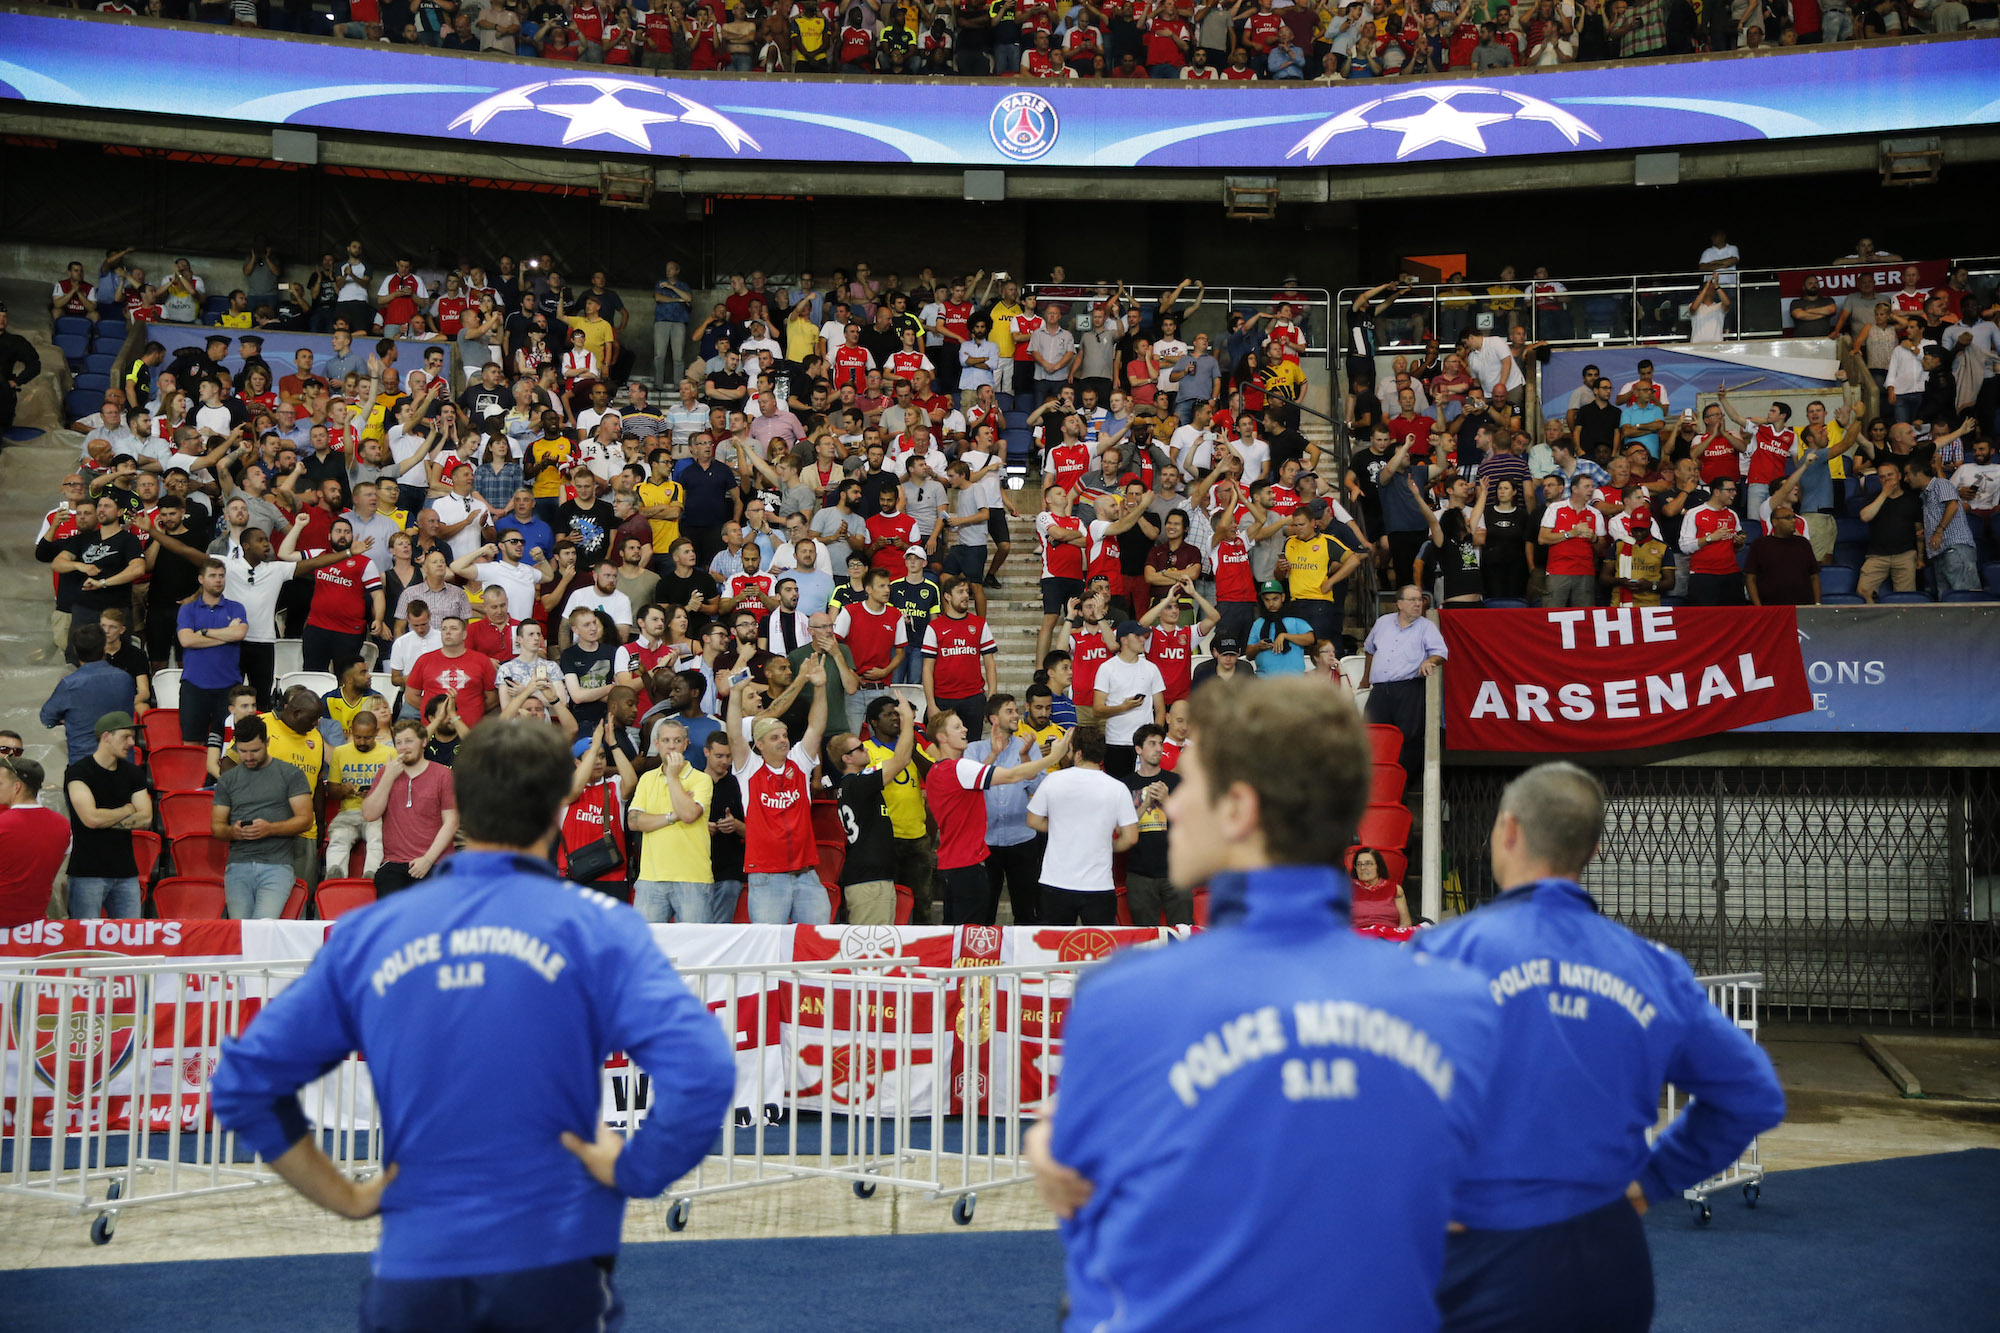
x=962, y=1209
x=677, y=1216
x=101, y=1228
x=1751, y=1193
x=864, y=1189
x=1702, y=1213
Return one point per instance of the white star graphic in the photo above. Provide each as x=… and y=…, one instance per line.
x=1354, y=118
x=514, y=99
x=1534, y=108
x=607, y=115
x=731, y=133
x=1441, y=123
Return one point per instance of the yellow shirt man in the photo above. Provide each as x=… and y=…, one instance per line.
x=679, y=852
x=1003, y=327
x=665, y=530
x=549, y=481
x=1043, y=738
x=904, y=795
x=598, y=335
x=358, y=768
x=1313, y=562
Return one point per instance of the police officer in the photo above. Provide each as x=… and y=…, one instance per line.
x=1594, y=1019
x=487, y=999
x=1219, y=1153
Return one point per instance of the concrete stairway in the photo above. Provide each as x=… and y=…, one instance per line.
x=1015, y=610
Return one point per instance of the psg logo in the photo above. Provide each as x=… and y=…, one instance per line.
x=1023, y=126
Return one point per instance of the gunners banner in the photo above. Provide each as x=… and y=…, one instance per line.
x=1620, y=678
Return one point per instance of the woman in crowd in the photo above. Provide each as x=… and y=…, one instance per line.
x=1377, y=902
x=1509, y=555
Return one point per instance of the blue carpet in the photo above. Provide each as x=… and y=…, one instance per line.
x=1871, y=1246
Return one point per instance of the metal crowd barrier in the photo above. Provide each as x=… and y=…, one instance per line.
x=874, y=1073
x=1736, y=994
x=107, y=1078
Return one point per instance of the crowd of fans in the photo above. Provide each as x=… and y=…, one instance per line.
x=1201, y=40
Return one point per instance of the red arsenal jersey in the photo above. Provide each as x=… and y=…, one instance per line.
x=340, y=601
x=584, y=822
x=872, y=637
x=466, y=678
x=1060, y=560
x=1718, y=557
x=1233, y=582
x=1769, y=453
x=851, y=366
x=956, y=794
x=1172, y=651
x=777, y=815
x=903, y=365
x=1087, y=652
x=450, y=315
x=900, y=531
x=1720, y=460
x=1068, y=463
x=1574, y=555
x=956, y=646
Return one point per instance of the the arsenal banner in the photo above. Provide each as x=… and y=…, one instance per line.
x=1617, y=678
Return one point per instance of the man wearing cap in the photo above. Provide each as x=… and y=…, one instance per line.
x=192, y=364
x=1227, y=664
x=1279, y=642
x=107, y=800
x=463, y=515
x=1403, y=649
x=1127, y=693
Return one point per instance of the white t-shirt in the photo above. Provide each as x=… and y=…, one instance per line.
x=1256, y=457
x=519, y=582
x=256, y=587
x=1983, y=479
x=1085, y=808
x=1119, y=680
x=1724, y=277
x=450, y=509
x=353, y=281
x=1168, y=352
x=614, y=604
x=1193, y=449
x=407, y=449
x=410, y=645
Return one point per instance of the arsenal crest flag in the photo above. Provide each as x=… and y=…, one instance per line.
x=1617, y=678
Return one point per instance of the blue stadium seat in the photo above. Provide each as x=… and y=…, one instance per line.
x=73, y=346
x=1020, y=446
x=1903, y=598
x=1850, y=530
x=1005, y=400
x=111, y=327
x=215, y=305
x=1673, y=599
x=1837, y=579
x=1850, y=554
x=1968, y=595
x=99, y=363
x=1841, y=598
x=1504, y=603
x=93, y=384
x=70, y=325
x=81, y=403
x=1017, y=420
x=1989, y=574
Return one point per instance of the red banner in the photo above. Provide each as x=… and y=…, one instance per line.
x=1617, y=678
x=1841, y=280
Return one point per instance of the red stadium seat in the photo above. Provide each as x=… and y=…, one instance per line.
x=905, y=903
x=295, y=902
x=1201, y=907
x=337, y=897
x=146, y=849
x=1385, y=786
x=826, y=823
x=162, y=727
x=200, y=856
x=1385, y=826
x=177, y=767
x=1124, y=908
x=1386, y=742
x=832, y=856
x=188, y=900
x=742, y=917
x=185, y=814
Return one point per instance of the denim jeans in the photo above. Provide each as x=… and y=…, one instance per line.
x=795, y=897
x=103, y=896
x=1759, y=492
x=722, y=903
x=256, y=889
x=663, y=900
x=1957, y=569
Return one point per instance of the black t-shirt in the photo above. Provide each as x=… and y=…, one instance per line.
x=1149, y=854
x=1367, y=467
x=1245, y=670
x=876, y=488
x=675, y=589
x=130, y=658
x=725, y=850
x=726, y=379
x=103, y=852
x=882, y=342
x=1133, y=548
x=871, y=838
x=1286, y=444
x=591, y=669
x=174, y=579
x=589, y=527
x=1595, y=424
x=111, y=553
x=1367, y=411
x=1893, y=530
x=476, y=398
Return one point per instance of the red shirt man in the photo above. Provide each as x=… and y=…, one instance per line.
x=872, y=633
x=777, y=809
x=37, y=840
x=1171, y=649
x=1576, y=554
x=1711, y=556
x=584, y=822
x=1167, y=39
x=467, y=676
x=900, y=531
x=1087, y=652
x=1233, y=581
x=1261, y=29
x=1067, y=464
x=1060, y=559
x=851, y=364
x=1770, y=452
x=341, y=594
x=1720, y=458
x=955, y=791
x=957, y=647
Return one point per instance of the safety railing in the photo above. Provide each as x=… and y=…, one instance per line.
x=1736, y=995
x=1620, y=309
x=1312, y=309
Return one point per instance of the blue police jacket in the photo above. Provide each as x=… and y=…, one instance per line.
x=486, y=1000
x=1274, y=1116
x=1594, y=1020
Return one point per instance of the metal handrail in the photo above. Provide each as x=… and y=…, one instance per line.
x=1644, y=308
x=1314, y=314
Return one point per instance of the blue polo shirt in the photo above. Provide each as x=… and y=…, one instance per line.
x=215, y=668
x=533, y=531
x=707, y=503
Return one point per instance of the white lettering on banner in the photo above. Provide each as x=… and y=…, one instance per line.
x=1246, y=1037
x=97, y=934
x=1567, y=621
x=423, y=949
x=1579, y=700
x=508, y=943
x=1346, y=1023
x=1656, y=625
x=1615, y=623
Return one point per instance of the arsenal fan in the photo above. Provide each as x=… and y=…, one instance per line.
x=877, y=638
x=1770, y=448
x=346, y=597
x=779, y=854
x=453, y=670
x=1171, y=645
x=595, y=809
x=1711, y=535
x=1571, y=529
x=955, y=792
x=1064, y=542
x=960, y=659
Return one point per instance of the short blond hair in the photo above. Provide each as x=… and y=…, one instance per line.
x=1302, y=748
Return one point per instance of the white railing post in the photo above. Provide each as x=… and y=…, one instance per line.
x=1433, y=905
